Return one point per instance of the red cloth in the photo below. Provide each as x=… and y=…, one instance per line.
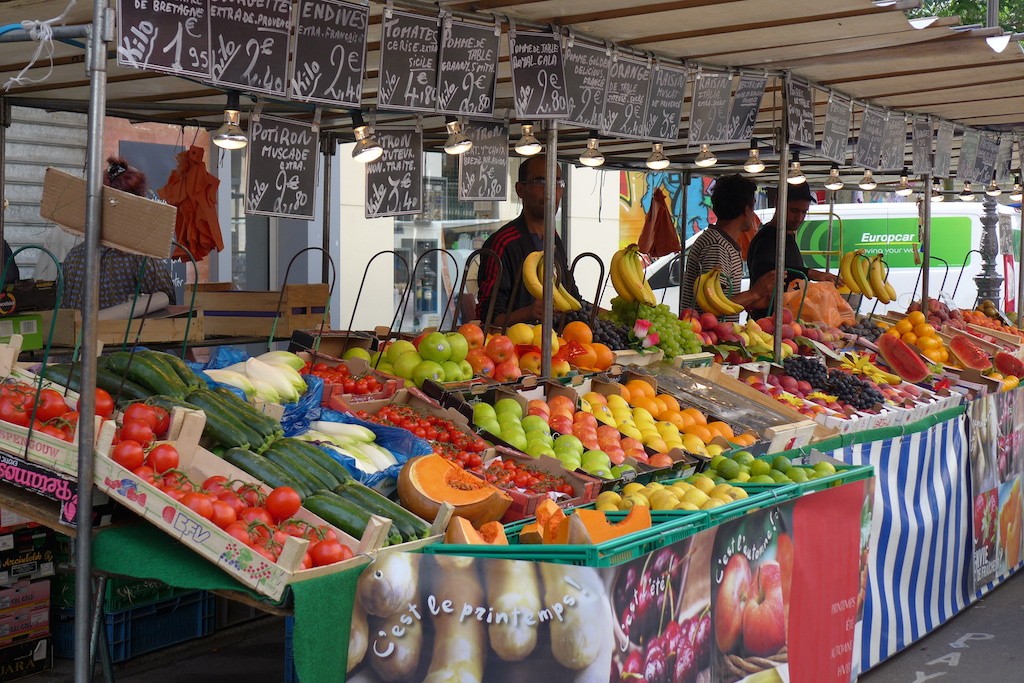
x=659, y=236
x=193, y=190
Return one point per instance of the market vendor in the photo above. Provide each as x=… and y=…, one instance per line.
x=512, y=243
x=761, y=254
x=119, y=270
x=717, y=246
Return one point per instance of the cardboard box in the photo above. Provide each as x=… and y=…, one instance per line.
x=26, y=554
x=335, y=397
x=27, y=295
x=12, y=521
x=57, y=487
x=129, y=222
x=253, y=313
x=25, y=595
x=29, y=325
x=166, y=325
x=26, y=659
x=333, y=343
x=26, y=623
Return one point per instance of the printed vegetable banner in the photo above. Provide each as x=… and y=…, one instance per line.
x=748, y=600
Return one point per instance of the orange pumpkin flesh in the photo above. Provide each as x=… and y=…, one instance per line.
x=461, y=532
x=592, y=526
x=427, y=481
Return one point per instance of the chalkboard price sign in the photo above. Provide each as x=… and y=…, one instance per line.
x=968, y=154
x=709, y=107
x=943, y=151
x=394, y=182
x=922, y=146
x=894, y=142
x=1004, y=159
x=745, y=103
x=538, y=78
x=408, y=62
x=586, y=77
x=468, y=70
x=835, y=135
x=164, y=35
x=483, y=170
x=800, y=113
x=625, y=98
x=282, y=164
x=985, y=160
x=249, y=46
x=665, y=106
x=330, y=53
x=868, y=151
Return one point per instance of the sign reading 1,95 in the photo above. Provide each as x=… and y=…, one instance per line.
x=394, y=182
x=249, y=46
x=282, y=164
x=330, y=52
x=164, y=35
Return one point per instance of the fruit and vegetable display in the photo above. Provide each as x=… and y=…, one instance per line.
x=864, y=329
x=668, y=332
x=867, y=276
x=581, y=526
x=697, y=492
x=603, y=330
x=360, y=385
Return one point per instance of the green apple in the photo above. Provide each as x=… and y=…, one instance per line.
x=459, y=347
x=728, y=469
x=535, y=423
x=396, y=349
x=490, y=426
x=570, y=461
x=386, y=368
x=824, y=468
x=779, y=477
x=602, y=472
x=467, y=369
x=427, y=369
x=483, y=412
x=570, y=442
x=452, y=371
x=516, y=440
x=595, y=459
x=406, y=364
x=509, y=406
x=356, y=352
x=619, y=470
x=435, y=347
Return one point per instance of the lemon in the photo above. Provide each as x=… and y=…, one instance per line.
x=686, y=506
x=631, y=488
x=702, y=482
x=736, y=493
x=695, y=497
x=712, y=503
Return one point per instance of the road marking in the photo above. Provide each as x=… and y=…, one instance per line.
x=962, y=641
x=922, y=676
x=952, y=659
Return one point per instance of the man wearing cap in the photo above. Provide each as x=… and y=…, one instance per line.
x=761, y=253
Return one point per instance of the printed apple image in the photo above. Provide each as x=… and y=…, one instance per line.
x=731, y=602
x=764, y=620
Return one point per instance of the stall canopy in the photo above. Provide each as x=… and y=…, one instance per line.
x=868, y=51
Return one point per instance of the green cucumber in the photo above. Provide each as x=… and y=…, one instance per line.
x=225, y=433
x=293, y=470
x=146, y=372
x=261, y=422
x=265, y=470
x=312, y=452
x=411, y=526
x=173, y=364
x=299, y=461
x=214, y=408
x=344, y=514
x=119, y=387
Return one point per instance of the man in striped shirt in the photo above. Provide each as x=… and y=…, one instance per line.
x=732, y=200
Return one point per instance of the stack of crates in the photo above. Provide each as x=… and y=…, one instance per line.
x=26, y=563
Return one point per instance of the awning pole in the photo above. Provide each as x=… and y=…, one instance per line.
x=550, y=209
x=926, y=241
x=780, y=219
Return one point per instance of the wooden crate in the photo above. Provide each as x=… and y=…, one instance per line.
x=168, y=327
x=252, y=313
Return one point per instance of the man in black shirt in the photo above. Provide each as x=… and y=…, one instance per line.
x=761, y=253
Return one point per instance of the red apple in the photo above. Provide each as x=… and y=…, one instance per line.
x=731, y=601
x=481, y=364
x=560, y=368
x=500, y=348
x=764, y=619
x=508, y=370
x=536, y=406
x=561, y=423
x=530, y=363
x=418, y=339
x=473, y=334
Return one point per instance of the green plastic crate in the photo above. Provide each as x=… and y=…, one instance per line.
x=120, y=594
x=667, y=527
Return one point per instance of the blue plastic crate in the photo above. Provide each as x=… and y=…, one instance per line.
x=290, y=675
x=144, y=629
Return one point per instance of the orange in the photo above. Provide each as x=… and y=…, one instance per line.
x=698, y=417
x=604, y=356
x=701, y=432
x=648, y=404
x=721, y=429
x=924, y=330
x=905, y=326
x=670, y=402
x=638, y=387
x=910, y=338
x=661, y=406
x=894, y=331
x=579, y=332
x=686, y=419
x=916, y=318
x=677, y=418
x=944, y=352
x=934, y=355
x=625, y=393
x=587, y=359
x=925, y=343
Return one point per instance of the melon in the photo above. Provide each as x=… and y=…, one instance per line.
x=1009, y=364
x=902, y=359
x=968, y=353
x=428, y=481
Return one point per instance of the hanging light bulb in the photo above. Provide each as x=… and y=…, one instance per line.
x=657, y=161
x=753, y=163
x=527, y=145
x=458, y=142
x=868, y=181
x=1017, y=193
x=904, y=189
x=367, y=148
x=592, y=156
x=705, y=157
x=834, y=182
x=230, y=135
x=993, y=189
x=966, y=195
x=795, y=175
x=937, y=195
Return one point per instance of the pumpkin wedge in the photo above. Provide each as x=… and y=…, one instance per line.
x=427, y=481
x=461, y=532
x=586, y=527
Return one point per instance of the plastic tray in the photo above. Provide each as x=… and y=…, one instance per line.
x=143, y=629
x=667, y=527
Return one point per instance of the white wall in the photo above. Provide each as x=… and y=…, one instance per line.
x=593, y=222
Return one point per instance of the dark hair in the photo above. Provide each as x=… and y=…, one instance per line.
x=121, y=176
x=731, y=196
x=794, y=193
x=524, y=167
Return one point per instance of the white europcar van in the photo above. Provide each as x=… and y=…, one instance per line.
x=892, y=229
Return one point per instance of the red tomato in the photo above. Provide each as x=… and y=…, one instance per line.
x=199, y=503
x=145, y=473
x=142, y=413
x=250, y=495
x=178, y=481
x=223, y=514
x=214, y=484
x=251, y=515
x=269, y=554
x=283, y=502
x=128, y=454
x=239, y=531
x=163, y=421
x=71, y=417
x=163, y=457
x=176, y=494
x=232, y=499
x=12, y=412
x=104, y=403
x=51, y=405
x=328, y=552
x=137, y=430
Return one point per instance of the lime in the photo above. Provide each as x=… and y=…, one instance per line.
x=759, y=467
x=798, y=475
x=823, y=468
x=743, y=457
x=728, y=469
x=761, y=479
x=781, y=463
x=780, y=477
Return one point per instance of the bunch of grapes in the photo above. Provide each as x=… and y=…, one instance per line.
x=865, y=329
x=853, y=390
x=676, y=336
x=606, y=332
x=804, y=368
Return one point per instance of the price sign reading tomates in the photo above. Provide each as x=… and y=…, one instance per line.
x=169, y=36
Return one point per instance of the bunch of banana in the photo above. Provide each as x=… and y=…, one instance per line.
x=627, y=273
x=879, y=281
x=853, y=269
x=533, y=278
x=860, y=364
x=707, y=292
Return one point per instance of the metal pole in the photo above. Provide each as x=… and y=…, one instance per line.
x=1020, y=284
x=831, y=217
x=96, y=60
x=5, y=121
x=682, y=238
x=327, y=148
x=550, y=208
x=989, y=279
x=780, y=227
x=992, y=13
x=926, y=240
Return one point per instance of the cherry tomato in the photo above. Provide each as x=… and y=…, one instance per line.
x=128, y=454
x=283, y=502
x=143, y=413
x=328, y=552
x=199, y=503
x=250, y=495
x=223, y=514
x=163, y=457
x=137, y=430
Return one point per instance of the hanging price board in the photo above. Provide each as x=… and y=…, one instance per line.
x=281, y=163
x=943, y=150
x=709, y=107
x=894, y=141
x=922, y=148
x=1004, y=173
x=969, y=142
x=467, y=72
x=985, y=159
x=394, y=182
x=483, y=170
x=868, y=151
x=665, y=104
x=408, y=62
x=745, y=104
x=586, y=78
x=625, y=99
x=330, y=53
x=538, y=79
x=249, y=46
x=835, y=136
x=800, y=113
x=170, y=36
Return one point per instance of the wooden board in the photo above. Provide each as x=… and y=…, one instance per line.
x=229, y=312
x=167, y=325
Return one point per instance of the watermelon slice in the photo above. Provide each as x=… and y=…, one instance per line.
x=1008, y=364
x=969, y=354
x=902, y=359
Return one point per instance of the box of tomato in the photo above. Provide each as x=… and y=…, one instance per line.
x=530, y=480
x=348, y=381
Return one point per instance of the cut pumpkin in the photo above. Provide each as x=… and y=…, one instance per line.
x=531, y=533
x=461, y=532
x=428, y=481
x=591, y=527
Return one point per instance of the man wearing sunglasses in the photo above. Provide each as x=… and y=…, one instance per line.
x=512, y=243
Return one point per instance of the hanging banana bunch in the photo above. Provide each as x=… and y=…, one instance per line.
x=533, y=278
x=867, y=276
x=707, y=292
x=628, y=278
